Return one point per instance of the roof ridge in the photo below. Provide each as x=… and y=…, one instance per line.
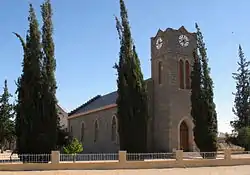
x=59, y=106
x=109, y=93
x=85, y=104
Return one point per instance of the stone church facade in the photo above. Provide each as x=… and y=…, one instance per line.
x=170, y=125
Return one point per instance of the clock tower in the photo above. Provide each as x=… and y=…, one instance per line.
x=171, y=60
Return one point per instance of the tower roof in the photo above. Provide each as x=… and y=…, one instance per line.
x=182, y=29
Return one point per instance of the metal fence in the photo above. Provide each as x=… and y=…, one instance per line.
x=149, y=156
x=25, y=158
x=203, y=155
x=8, y=158
x=69, y=158
x=240, y=154
x=88, y=157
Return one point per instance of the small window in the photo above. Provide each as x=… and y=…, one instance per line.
x=96, y=132
x=160, y=68
x=113, y=129
x=187, y=74
x=71, y=130
x=82, y=132
x=181, y=74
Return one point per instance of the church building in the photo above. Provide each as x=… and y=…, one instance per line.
x=170, y=125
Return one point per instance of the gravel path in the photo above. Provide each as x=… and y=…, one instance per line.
x=242, y=170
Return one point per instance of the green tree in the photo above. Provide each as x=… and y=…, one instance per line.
x=244, y=137
x=29, y=116
x=207, y=111
x=19, y=121
x=37, y=107
x=73, y=147
x=241, y=107
x=6, y=117
x=196, y=102
x=49, y=81
x=132, y=113
x=63, y=138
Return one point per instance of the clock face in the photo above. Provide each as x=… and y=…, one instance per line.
x=159, y=43
x=183, y=40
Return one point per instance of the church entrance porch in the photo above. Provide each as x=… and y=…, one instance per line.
x=184, y=138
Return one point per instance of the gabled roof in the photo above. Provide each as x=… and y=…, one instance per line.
x=60, y=108
x=96, y=102
x=182, y=28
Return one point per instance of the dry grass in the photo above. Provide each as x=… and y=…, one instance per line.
x=242, y=170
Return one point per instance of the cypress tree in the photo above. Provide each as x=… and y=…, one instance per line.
x=20, y=125
x=49, y=81
x=29, y=91
x=208, y=112
x=34, y=83
x=132, y=97
x=241, y=102
x=196, y=107
x=6, y=117
x=36, y=89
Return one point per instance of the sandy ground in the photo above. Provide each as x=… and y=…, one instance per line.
x=242, y=170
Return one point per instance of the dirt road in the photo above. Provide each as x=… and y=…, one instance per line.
x=242, y=170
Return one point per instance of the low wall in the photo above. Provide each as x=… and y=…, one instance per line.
x=122, y=163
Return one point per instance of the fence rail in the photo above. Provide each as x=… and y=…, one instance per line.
x=6, y=158
x=203, y=155
x=88, y=157
x=25, y=158
x=149, y=156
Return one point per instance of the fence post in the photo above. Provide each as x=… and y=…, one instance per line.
x=179, y=155
x=122, y=156
x=55, y=157
x=227, y=154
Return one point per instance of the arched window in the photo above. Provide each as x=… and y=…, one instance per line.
x=71, y=130
x=160, y=68
x=113, y=129
x=82, y=131
x=181, y=74
x=187, y=74
x=96, y=132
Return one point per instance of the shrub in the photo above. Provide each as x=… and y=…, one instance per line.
x=73, y=147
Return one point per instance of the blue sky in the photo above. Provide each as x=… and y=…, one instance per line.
x=87, y=45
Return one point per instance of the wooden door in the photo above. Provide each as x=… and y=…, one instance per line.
x=184, y=137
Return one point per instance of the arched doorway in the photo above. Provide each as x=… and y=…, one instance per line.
x=184, y=141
